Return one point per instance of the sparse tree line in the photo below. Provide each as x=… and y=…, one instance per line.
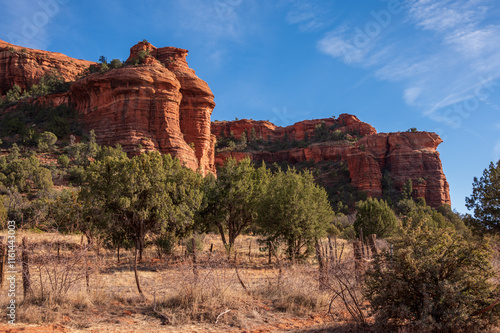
x=284, y=206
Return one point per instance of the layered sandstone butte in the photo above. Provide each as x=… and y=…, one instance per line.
x=25, y=67
x=134, y=106
x=161, y=105
x=400, y=156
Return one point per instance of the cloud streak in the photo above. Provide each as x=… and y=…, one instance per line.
x=454, y=46
x=309, y=16
x=26, y=22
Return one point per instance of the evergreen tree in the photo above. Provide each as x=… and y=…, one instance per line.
x=148, y=193
x=485, y=199
x=295, y=211
x=232, y=200
x=407, y=190
x=374, y=216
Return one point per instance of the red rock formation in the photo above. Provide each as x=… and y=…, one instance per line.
x=402, y=156
x=263, y=129
x=268, y=131
x=197, y=100
x=196, y=105
x=132, y=106
x=161, y=105
x=317, y=153
x=25, y=67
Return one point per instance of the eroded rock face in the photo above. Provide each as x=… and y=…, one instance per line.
x=134, y=106
x=161, y=105
x=400, y=156
x=266, y=130
x=25, y=67
x=403, y=156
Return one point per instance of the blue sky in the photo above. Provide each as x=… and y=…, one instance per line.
x=429, y=64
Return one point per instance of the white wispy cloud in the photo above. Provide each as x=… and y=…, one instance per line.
x=26, y=23
x=454, y=46
x=308, y=15
x=219, y=19
x=411, y=94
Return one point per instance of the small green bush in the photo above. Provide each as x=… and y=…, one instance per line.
x=436, y=280
x=165, y=244
x=76, y=174
x=115, y=63
x=104, y=67
x=63, y=160
x=46, y=140
x=374, y=216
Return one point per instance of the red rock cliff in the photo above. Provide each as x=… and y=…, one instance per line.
x=268, y=131
x=25, y=67
x=161, y=105
x=401, y=156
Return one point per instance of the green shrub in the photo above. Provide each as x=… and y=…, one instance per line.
x=374, y=216
x=165, y=244
x=115, y=63
x=63, y=160
x=51, y=83
x=436, y=280
x=104, y=67
x=76, y=174
x=42, y=179
x=46, y=140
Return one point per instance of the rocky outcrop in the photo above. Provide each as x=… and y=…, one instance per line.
x=134, y=106
x=160, y=105
x=299, y=131
x=400, y=156
x=317, y=153
x=25, y=67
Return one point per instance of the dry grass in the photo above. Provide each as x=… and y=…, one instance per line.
x=214, y=302
x=297, y=291
x=59, y=265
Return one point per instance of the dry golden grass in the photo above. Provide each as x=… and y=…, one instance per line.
x=216, y=301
